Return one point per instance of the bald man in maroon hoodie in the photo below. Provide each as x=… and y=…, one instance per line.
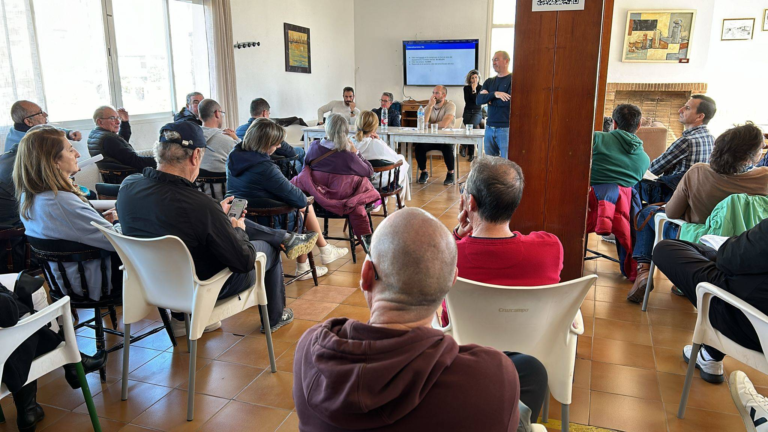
x=396, y=373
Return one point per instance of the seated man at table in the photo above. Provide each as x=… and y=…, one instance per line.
x=110, y=139
x=442, y=112
x=618, y=156
x=345, y=107
x=260, y=109
x=393, y=115
x=165, y=201
x=396, y=373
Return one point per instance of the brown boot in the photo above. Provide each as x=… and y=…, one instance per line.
x=637, y=292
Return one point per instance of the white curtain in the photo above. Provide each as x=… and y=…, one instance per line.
x=221, y=58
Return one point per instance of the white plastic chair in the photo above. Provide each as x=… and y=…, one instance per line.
x=66, y=353
x=159, y=272
x=541, y=321
x=660, y=219
x=705, y=334
x=39, y=297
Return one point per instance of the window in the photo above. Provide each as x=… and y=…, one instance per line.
x=502, y=30
x=71, y=57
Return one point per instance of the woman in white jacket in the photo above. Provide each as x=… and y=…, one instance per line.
x=371, y=147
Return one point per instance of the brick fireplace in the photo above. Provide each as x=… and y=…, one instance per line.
x=659, y=101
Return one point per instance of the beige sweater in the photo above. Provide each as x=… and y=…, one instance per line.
x=701, y=189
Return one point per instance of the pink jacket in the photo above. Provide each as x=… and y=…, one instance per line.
x=337, y=193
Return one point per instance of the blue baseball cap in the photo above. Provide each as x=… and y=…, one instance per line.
x=190, y=134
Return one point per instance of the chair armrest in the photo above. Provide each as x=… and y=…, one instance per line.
x=704, y=293
x=14, y=336
x=222, y=274
x=436, y=325
x=577, y=327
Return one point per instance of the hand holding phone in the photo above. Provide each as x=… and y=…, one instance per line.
x=237, y=209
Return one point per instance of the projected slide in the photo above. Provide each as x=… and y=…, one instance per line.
x=438, y=62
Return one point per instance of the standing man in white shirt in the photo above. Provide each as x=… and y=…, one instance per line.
x=345, y=107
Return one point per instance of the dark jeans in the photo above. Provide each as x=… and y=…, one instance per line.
x=421, y=154
x=686, y=265
x=659, y=190
x=533, y=381
x=645, y=237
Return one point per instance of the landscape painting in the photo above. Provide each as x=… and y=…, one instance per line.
x=662, y=36
x=298, y=56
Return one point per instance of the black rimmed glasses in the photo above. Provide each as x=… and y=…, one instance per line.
x=375, y=272
x=35, y=115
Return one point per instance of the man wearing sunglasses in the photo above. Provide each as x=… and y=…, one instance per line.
x=26, y=114
x=110, y=139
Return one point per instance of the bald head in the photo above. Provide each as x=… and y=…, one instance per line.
x=415, y=256
x=21, y=112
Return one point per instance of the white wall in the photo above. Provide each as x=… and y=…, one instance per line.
x=261, y=71
x=733, y=70
x=382, y=26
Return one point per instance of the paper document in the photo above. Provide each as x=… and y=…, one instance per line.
x=649, y=176
x=713, y=241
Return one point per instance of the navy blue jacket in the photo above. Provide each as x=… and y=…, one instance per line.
x=498, y=110
x=393, y=116
x=254, y=177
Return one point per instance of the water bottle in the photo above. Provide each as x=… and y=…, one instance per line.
x=420, y=124
x=384, y=119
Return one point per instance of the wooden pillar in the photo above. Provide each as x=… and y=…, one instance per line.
x=554, y=89
x=605, y=48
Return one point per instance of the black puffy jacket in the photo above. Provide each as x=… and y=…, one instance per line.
x=118, y=153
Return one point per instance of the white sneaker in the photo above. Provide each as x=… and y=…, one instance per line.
x=321, y=271
x=711, y=371
x=180, y=329
x=331, y=253
x=610, y=238
x=752, y=406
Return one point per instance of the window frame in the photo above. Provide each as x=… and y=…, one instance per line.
x=113, y=68
x=489, y=36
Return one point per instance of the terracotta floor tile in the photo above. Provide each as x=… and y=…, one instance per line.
x=670, y=360
x=52, y=416
x=582, y=373
x=584, y=348
x=610, y=294
x=270, y=389
x=328, y=294
x=350, y=267
x=672, y=318
x=291, y=332
x=624, y=331
x=244, y=323
x=589, y=326
x=159, y=341
x=138, y=357
x=626, y=413
x=343, y=279
x=625, y=380
x=58, y=393
x=362, y=314
x=703, y=395
x=588, y=308
x=170, y=413
x=167, y=369
x=311, y=310
x=285, y=361
x=578, y=412
x=291, y=424
x=222, y=379
x=78, y=422
x=210, y=346
x=252, y=351
x=670, y=337
x=299, y=288
x=240, y=416
x=622, y=353
x=356, y=299
x=590, y=294
x=613, y=279
x=701, y=420
x=140, y=397
x=667, y=300
x=758, y=378
x=626, y=311
x=134, y=428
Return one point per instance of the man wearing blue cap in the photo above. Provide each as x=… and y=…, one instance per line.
x=165, y=201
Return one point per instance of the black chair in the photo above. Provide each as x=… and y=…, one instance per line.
x=286, y=165
x=353, y=240
x=274, y=210
x=107, y=191
x=58, y=252
x=206, y=181
x=115, y=174
x=388, y=184
x=15, y=251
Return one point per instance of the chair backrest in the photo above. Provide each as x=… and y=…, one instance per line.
x=293, y=134
x=207, y=182
x=387, y=183
x=520, y=319
x=107, y=191
x=159, y=272
x=458, y=122
x=654, y=140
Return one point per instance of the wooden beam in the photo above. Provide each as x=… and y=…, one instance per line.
x=605, y=49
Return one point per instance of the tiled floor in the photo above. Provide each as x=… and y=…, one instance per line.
x=629, y=371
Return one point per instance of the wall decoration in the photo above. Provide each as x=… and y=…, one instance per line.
x=662, y=36
x=298, y=55
x=737, y=29
x=557, y=5
x=765, y=20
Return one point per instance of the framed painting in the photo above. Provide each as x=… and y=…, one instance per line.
x=658, y=36
x=298, y=55
x=737, y=29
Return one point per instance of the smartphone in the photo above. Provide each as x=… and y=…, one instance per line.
x=237, y=208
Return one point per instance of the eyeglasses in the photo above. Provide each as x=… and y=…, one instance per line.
x=111, y=118
x=375, y=272
x=196, y=102
x=222, y=112
x=384, y=100
x=35, y=115
x=462, y=187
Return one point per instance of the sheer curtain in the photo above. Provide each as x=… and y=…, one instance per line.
x=221, y=58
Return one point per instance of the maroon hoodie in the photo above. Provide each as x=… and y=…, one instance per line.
x=353, y=376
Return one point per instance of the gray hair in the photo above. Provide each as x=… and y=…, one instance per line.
x=389, y=95
x=171, y=153
x=191, y=95
x=207, y=108
x=497, y=186
x=100, y=112
x=18, y=112
x=337, y=130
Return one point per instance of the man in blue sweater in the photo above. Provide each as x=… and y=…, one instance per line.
x=260, y=108
x=496, y=93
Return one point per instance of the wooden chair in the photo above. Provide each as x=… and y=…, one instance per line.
x=208, y=180
x=253, y=213
x=353, y=240
x=115, y=176
x=57, y=253
x=10, y=239
x=388, y=184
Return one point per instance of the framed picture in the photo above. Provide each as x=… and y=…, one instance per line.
x=737, y=29
x=298, y=55
x=765, y=20
x=658, y=36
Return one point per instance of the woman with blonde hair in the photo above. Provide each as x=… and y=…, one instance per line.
x=338, y=176
x=372, y=148
x=252, y=175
